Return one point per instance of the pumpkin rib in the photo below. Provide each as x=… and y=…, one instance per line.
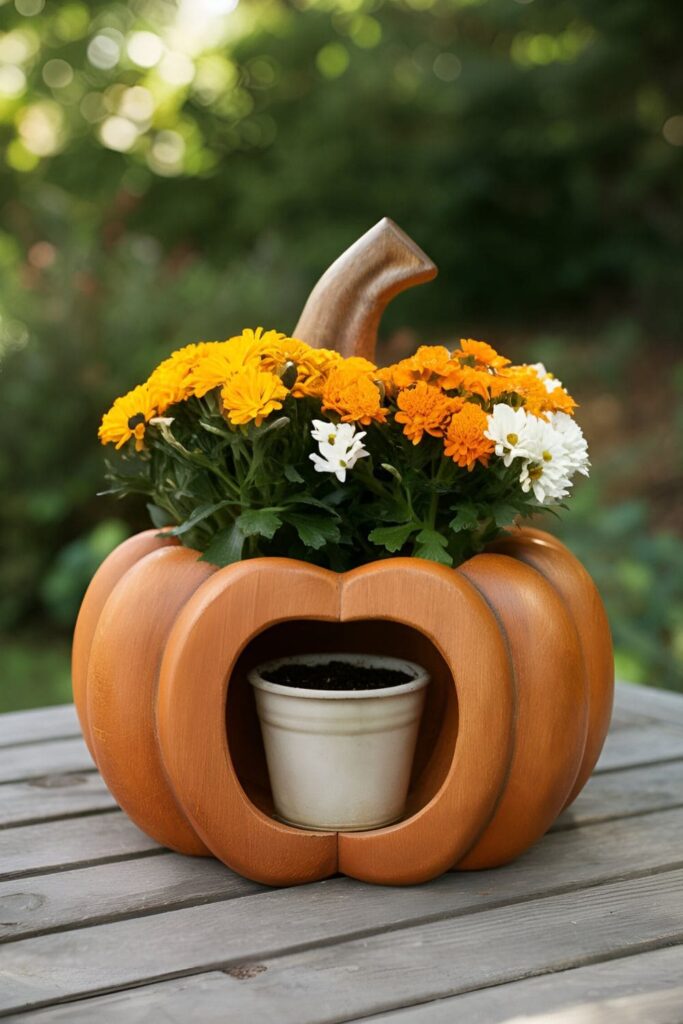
x=103, y=582
x=122, y=690
x=571, y=580
x=449, y=611
x=224, y=614
x=550, y=734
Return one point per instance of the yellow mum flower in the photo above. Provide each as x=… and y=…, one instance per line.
x=171, y=382
x=465, y=442
x=314, y=366
x=353, y=396
x=127, y=418
x=252, y=394
x=220, y=361
x=424, y=408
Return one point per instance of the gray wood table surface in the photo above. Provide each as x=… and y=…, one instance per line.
x=99, y=924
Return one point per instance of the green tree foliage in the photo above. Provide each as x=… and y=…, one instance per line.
x=177, y=170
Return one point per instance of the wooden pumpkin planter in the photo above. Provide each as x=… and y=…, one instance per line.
x=515, y=639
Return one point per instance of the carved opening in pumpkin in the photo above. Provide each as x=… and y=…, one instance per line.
x=438, y=727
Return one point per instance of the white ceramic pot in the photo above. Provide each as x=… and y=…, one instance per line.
x=340, y=760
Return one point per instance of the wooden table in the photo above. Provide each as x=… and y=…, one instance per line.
x=99, y=924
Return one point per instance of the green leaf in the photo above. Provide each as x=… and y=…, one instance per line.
x=293, y=475
x=392, y=537
x=264, y=522
x=306, y=499
x=314, y=531
x=504, y=514
x=159, y=516
x=225, y=547
x=466, y=518
x=432, y=545
x=200, y=513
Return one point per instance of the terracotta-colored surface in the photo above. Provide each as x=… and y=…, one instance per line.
x=552, y=704
x=123, y=674
x=580, y=595
x=101, y=586
x=516, y=641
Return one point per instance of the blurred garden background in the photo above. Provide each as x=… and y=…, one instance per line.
x=176, y=171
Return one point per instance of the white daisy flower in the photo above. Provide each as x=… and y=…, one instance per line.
x=339, y=448
x=548, y=468
x=573, y=441
x=551, y=382
x=333, y=433
x=507, y=429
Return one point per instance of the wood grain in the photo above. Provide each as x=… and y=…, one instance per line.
x=101, y=586
x=109, y=892
x=122, y=689
x=71, y=842
x=552, y=705
x=644, y=988
x=554, y=561
x=32, y=760
x=53, y=796
x=330, y=938
x=345, y=307
x=59, y=722
x=445, y=607
x=217, y=622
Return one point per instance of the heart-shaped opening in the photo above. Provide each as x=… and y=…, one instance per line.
x=439, y=723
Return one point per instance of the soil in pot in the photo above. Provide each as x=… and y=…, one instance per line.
x=335, y=675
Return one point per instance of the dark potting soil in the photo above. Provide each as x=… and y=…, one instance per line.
x=336, y=675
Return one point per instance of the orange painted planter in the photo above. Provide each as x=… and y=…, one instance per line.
x=516, y=641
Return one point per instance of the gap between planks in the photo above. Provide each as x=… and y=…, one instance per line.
x=637, y=988
x=313, y=980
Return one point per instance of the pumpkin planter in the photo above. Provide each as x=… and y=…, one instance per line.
x=515, y=641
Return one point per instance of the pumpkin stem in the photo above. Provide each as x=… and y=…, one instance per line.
x=344, y=309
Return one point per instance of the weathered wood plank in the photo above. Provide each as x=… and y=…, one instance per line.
x=642, y=744
x=31, y=760
x=53, y=796
x=38, y=724
x=112, y=891
x=643, y=989
x=649, y=701
x=624, y=793
x=340, y=980
x=571, y=859
x=59, y=845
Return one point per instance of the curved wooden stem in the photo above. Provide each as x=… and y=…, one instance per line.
x=344, y=309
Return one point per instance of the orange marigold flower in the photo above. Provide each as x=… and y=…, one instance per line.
x=525, y=382
x=353, y=396
x=464, y=441
x=482, y=352
x=252, y=394
x=128, y=417
x=559, y=400
x=424, y=408
x=429, y=361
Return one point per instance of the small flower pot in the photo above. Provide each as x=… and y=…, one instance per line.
x=340, y=759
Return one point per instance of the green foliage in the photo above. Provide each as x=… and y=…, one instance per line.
x=534, y=150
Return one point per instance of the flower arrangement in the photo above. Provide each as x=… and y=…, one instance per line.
x=262, y=445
